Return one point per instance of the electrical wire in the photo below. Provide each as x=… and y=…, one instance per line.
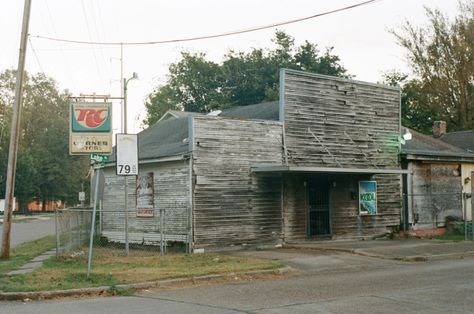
x=230, y=33
x=36, y=56
x=65, y=60
x=99, y=72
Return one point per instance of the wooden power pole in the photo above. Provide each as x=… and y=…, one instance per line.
x=15, y=131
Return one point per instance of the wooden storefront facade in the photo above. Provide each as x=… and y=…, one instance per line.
x=275, y=172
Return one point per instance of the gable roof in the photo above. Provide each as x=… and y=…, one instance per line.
x=262, y=111
x=163, y=139
x=177, y=114
x=462, y=139
x=427, y=147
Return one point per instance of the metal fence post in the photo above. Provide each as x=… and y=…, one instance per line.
x=69, y=230
x=56, y=221
x=472, y=215
x=161, y=232
x=464, y=196
x=405, y=211
x=79, y=228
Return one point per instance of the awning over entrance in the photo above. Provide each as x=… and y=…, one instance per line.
x=298, y=169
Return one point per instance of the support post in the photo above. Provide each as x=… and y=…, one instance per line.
x=464, y=196
x=161, y=232
x=127, y=246
x=91, y=240
x=56, y=228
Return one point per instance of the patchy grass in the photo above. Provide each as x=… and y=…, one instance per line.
x=110, y=268
x=457, y=237
x=25, y=252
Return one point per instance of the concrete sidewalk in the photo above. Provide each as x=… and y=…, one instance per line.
x=401, y=249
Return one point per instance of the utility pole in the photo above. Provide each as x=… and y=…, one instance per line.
x=15, y=131
x=125, y=131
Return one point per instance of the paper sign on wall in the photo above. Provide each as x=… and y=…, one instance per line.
x=368, y=197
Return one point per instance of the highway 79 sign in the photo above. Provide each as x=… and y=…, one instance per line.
x=127, y=154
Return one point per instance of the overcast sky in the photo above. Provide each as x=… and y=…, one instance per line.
x=359, y=36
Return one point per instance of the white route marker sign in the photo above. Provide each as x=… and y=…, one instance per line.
x=127, y=154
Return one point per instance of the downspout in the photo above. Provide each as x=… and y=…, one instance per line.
x=281, y=115
x=191, y=185
x=191, y=206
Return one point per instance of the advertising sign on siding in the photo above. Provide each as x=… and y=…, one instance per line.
x=145, y=194
x=368, y=197
x=90, y=128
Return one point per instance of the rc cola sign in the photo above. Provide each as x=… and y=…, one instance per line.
x=90, y=128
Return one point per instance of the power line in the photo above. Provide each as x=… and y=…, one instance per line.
x=36, y=57
x=99, y=72
x=242, y=31
x=64, y=59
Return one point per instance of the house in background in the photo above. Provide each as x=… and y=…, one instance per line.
x=322, y=162
x=439, y=173
x=464, y=140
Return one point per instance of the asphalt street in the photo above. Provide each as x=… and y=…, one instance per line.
x=323, y=283
x=30, y=230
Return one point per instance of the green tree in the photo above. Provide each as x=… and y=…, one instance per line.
x=243, y=78
x=45, y=170
x=441, y=56
x=414, y=111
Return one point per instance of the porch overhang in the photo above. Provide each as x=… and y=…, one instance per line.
x=298, y=169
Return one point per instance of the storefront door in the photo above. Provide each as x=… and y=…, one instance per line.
x=319, y=218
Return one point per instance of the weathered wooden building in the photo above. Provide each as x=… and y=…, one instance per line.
x=439, y=173
x=322, y=162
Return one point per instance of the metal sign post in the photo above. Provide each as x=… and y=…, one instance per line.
x=96, y=196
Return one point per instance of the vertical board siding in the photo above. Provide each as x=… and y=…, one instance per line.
x=340, y=123
x=232, y=205
x=295, y=207
x=171, y=196
x=345, y=219
x=333, y=122
x=437, y=189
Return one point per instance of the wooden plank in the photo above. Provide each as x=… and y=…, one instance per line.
x=234, y=206
x=171, y=195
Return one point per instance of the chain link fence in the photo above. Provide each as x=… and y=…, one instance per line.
x=453, y=211
x=159, y=232
x=73, y=227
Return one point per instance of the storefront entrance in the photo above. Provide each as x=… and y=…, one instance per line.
x=319, y=216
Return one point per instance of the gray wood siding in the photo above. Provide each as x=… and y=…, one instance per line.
x=171, y=194
x=345, y=219
x=437, y=193
x=295, y=207
x=339, y=123
x=333, y=122
x=231, y=204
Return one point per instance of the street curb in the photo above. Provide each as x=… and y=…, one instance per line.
x=104, y=290
x=409, y=258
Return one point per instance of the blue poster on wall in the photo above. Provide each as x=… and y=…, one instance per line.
x=368, y=197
